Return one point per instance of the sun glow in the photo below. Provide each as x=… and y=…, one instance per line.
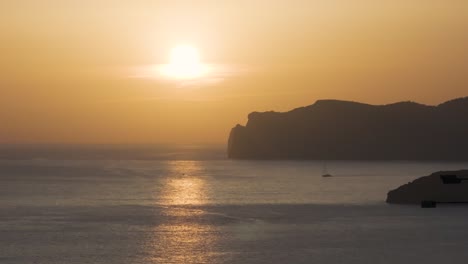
x=184, y=63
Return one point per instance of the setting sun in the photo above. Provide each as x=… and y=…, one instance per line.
x=184, y=63
x=230, y=131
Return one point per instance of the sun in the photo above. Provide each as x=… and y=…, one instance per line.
x=184, y=63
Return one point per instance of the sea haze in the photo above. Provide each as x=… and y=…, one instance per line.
x=188, y=204
x=112, y=152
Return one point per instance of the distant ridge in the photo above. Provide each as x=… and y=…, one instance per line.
x=334, y=129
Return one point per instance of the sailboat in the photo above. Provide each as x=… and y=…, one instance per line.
x=325, y=173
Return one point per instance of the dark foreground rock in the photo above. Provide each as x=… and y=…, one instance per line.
x=331, y=129
x=439, y=187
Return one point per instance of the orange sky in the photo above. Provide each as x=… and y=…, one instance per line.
x=70, y=70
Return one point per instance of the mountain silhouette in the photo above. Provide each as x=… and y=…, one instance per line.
x=333, y=129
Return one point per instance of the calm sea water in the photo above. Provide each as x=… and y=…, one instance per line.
x=188, y=204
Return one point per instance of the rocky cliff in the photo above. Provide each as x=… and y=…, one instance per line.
x=332, y=129
x=433, y=188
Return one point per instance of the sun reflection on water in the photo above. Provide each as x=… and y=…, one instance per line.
x=184, y=236
x=184, y=243
x=186, y=184
x=185, y=191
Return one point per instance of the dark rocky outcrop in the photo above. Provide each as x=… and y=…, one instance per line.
x=332, y=129
x=432, y=188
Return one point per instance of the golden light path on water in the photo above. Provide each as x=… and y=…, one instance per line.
x=185, y=238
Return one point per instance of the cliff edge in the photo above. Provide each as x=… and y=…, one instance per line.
x=342, y=130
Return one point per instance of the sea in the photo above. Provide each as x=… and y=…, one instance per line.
x=65, y=204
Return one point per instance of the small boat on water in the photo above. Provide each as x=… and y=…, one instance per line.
x=325, y=173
